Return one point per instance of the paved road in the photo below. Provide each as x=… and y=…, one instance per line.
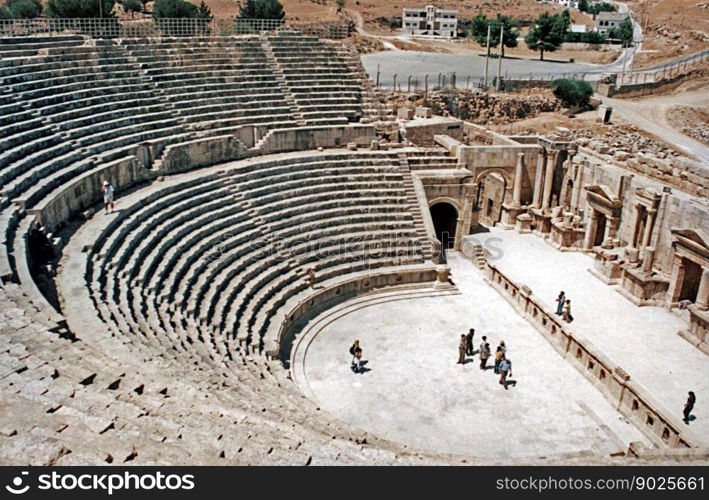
x=650, y=115
x=418, y=64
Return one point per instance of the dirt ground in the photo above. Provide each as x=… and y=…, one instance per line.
x=525, y=10
x=671, y=28
x=691, y=121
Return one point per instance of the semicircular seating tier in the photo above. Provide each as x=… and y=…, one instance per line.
x=201, y=267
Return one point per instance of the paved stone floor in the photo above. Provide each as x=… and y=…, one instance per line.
x=416, y=394
x=643, y=340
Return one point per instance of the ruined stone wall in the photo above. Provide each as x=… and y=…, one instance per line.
x=479, y=107
x=423, y=134
x=637, y=153
x=677, y=209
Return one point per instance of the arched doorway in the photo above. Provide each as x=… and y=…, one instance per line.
x=445, y=221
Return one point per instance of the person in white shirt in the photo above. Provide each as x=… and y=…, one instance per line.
x=107, y=191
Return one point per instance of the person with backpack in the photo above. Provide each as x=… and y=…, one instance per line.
x=484, y=355
x=499, y=356
x=357, y=368
x=353, y=349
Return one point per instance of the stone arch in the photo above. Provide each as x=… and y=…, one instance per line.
x=505, y=173
x=446, y=199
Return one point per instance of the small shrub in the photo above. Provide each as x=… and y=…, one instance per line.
x=573, y=94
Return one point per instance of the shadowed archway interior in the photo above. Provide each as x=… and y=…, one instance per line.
x=445, y=218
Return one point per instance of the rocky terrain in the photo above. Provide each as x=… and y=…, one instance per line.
x=691, y=121
x=479, y=107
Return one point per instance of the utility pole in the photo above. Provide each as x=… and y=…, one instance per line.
x=487, y=55
x=499, y=59
x=622, y=74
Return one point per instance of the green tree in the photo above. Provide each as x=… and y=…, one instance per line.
x=624, y=32
x=478, y=31
x=204, y=12
x=572, y=93
x=132, y=6
x=24, y=9
x=80, y=8
x=4, y=13
x=174, y=9
x=583, y=5
x=547, y=33
x=595, y=9
x=261, y=9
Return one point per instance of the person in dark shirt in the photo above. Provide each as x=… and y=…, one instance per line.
x=689, y=406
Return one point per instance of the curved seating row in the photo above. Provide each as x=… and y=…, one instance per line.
x=216, y=257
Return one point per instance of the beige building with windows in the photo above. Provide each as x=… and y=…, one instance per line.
x=430, y=21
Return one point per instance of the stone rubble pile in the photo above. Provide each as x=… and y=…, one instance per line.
x=479, y=107
x=636, y=152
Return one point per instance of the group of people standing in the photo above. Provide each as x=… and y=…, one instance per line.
x=503, y=365
x=563, y=307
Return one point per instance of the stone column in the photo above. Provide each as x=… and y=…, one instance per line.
x=702, y=301
x=467, y=215
x=677, y=280
x=636, y=226
x=648, y=260
x=612, y=227
x=591, y=230
x=578, y=185
x=538, y=179
x=549, y=179
x=649, y=224
x=517, y=183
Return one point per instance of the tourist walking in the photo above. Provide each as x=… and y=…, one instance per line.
x=499, y=356
x=357, y=368
x=567, y=312
x=108, y=192
x=560, y=301
x=689, y=406
x=505, y=371
x=469, y=342
x=353, y=349
x=484, y=355
x=462, y=349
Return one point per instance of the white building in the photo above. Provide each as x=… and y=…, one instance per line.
x=608, y=20
x=430, y=21
x=579, y=28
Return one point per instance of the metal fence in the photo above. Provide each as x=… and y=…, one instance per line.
x=149, y=27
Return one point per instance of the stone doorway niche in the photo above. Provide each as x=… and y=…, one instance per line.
x=690, y=284
x=445, y=221
x=600, y=230
x=492, y=189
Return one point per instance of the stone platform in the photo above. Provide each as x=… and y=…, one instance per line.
x=417, y=395
x=643, y=340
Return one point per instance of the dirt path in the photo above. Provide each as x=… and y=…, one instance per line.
x=650, y=114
